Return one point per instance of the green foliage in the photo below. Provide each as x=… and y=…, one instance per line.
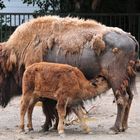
x=45, y=6
x=1, y=4
x=5, y=29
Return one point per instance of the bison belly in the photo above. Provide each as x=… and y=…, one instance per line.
x=86, y=59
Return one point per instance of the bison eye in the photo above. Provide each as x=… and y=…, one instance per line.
x=0, y=98
x=5, y=76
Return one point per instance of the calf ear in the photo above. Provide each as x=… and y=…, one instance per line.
x=11, y=61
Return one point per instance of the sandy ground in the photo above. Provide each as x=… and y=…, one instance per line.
x=102, y=117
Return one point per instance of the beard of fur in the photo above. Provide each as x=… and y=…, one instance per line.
x=9, y=89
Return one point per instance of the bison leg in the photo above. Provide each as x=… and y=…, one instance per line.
x=49, y=109
x=56, y=120
x=81, y=116
x=30, y=110
x=121, y=100
x=127, y=109
x=23, y=108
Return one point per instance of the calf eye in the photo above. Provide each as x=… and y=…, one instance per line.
x=94, y=84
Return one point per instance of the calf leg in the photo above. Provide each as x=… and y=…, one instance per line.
x=23, y=108
x=61, y=109
x=81, y=116
x=30, y=110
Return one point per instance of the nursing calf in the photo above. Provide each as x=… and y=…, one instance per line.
x=63, y=83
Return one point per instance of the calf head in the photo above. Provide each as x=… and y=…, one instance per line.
x=100, y=84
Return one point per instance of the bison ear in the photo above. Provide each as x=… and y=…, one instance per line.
x=11, y=61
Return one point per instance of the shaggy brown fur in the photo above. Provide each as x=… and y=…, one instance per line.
x=43, y=32
x=63, y=83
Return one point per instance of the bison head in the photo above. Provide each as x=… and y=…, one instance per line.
x=8, y=78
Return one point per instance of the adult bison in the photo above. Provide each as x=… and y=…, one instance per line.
x=94, y=48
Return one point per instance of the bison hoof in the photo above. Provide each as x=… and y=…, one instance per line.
x=115, y=130
x=124, y=128
x=44, y=128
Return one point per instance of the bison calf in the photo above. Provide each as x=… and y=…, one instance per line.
x=63, y=83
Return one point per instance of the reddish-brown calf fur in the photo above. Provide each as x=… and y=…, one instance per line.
x=63, y=83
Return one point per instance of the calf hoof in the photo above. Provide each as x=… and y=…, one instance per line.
x=60, y=132
x=87, y=131
x=63, y=135
x=90, y=133
x=30, y=129
x=21, y=131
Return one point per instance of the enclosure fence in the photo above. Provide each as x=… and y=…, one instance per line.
x=128, y=22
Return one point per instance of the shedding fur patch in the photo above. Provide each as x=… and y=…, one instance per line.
x=115, y=50
x=70, y=35
x=98, y=44
x=131, y=68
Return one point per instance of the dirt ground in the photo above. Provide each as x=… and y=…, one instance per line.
x=102, y=117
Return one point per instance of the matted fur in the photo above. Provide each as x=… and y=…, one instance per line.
x=30, y=38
